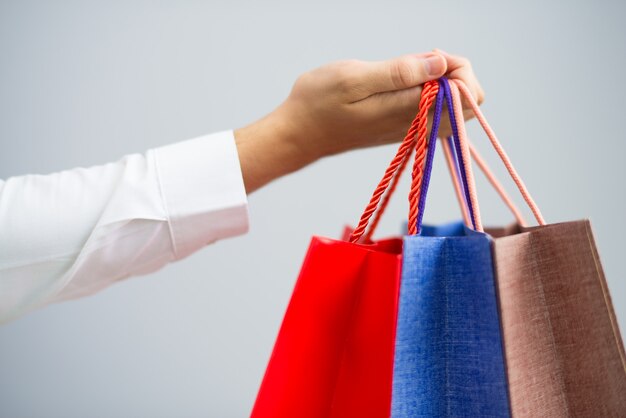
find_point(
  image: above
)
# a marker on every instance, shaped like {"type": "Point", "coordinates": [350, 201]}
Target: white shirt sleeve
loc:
{"type": "Point", "coordinates": [73, 233]}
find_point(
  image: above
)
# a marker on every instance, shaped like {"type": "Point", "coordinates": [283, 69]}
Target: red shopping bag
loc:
{"type": "Point", "coordinates": [337, 336]}
{"type": "Point", "coordinates": [333, 356]}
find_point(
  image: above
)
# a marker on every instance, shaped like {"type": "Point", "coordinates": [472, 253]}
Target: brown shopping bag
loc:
{"type": "Point", "coordinates": [563, 348]}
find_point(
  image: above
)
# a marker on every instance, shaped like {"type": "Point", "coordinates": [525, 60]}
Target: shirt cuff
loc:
{"type": "Point", "coordinates": [203, 191]}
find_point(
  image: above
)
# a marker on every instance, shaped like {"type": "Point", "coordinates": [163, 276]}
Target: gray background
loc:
{"type": "Point", "coordinates": [84, 83]}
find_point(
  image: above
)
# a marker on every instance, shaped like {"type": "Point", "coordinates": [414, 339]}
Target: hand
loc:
{"type": "Point", "coordinates": [343, 106]}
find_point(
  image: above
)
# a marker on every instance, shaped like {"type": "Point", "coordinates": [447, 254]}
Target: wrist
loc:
{"type": "Point", "coordinates": [269, 149]}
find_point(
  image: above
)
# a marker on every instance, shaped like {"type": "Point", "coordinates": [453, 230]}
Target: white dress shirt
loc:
{"type": "Point", "coordinates": [73, 233]}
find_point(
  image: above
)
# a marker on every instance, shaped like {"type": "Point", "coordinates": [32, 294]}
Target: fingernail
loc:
{"type": "Point", "coordinates": [435, 65]}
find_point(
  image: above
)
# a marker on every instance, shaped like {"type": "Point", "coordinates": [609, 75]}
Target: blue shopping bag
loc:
{"type": "Point", "coordinates": [448, 357]}
{"type": "Point", "coordinates": [448, 352]}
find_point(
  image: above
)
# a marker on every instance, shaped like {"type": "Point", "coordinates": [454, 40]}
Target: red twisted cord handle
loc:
{"type": "Point", "coordinates": [416, 133]}
{"type": "Point", "coordinates": [420, 155]}
{"type": "Point", "coordinates": [385, 201]}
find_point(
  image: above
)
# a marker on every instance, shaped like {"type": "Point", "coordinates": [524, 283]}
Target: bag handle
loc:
{"type": "Point", "coordinates": [415, 138]}
{"type": "Point", "coordinates": [458, 86]}
{"type": "Point", "coordinates": [455, 175]}
{"type": "Point", "coordinates": [392, 174]}
{"type": "Point", "coordinates": [495, 183]}
{"type": "Point", "coordinates": [415, 218]}
{"type": "Point", "coordinates": [452, 148]}
{"type": "Point", "coordinates": [385, 200]}
{"type": "Point", "coordinates": [383, 205]}
{"type": "Point", "coordinates": [462, 156]}
{"type": "Point", "coordinates": [459, 177]}
{"type": "Point", "coordinates": [491, 177]}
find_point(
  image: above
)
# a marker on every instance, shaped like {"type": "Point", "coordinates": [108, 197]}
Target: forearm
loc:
{"type": "Point", "coordinates": [70, 234]}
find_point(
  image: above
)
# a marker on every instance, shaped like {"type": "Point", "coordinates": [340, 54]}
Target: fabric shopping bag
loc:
{"type": "Point", "coordinates": [563, 349]}
{"type": "Point", "coordinates": [448, 357]}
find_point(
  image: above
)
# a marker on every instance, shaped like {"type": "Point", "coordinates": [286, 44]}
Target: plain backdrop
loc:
{"type": "Point", "coordinates": [86, 82]}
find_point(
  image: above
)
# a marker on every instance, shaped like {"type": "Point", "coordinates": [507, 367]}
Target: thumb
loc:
{"type": "Point", "coordinates": [401, 73]}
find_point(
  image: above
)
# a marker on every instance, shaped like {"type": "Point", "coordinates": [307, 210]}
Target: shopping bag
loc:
{"type": "Point", "coordinates": [334, 350]}
{"type": "Point", "coordinates": [563, 346]}
{"type": "Point", "coordinates": [563, 349]}
{"type": "Point", "coordinates": [448, 357]}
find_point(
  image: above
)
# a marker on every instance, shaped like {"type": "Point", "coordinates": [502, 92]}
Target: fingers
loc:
{"type": "Point", "coordinates": [405, 72]}
{"type": "Point", "coordinates": [396, 81]}
{"type": "Point", "coordinates": [402, 104]}
{"type": "Point", "coordinates": [398, 109]}
{"type": "Point", "coordinates": [461, 68]}
{"type": "Point", "coordinates": [358, 80]}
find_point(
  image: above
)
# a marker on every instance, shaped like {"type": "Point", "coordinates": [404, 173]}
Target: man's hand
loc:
{"type": "Point", "coordinates": [343, 106]}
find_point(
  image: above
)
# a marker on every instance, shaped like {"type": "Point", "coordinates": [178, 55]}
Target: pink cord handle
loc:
{"type": "Point", "coordinates": [482, 164]}
{"type": "Point", "coordinates": [465, 157]}
{"type": "Point", "coordinates": [460, 86]}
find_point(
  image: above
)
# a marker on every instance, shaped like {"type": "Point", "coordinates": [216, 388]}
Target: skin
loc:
{"type": "Point", "coordinates": [343, 106]}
